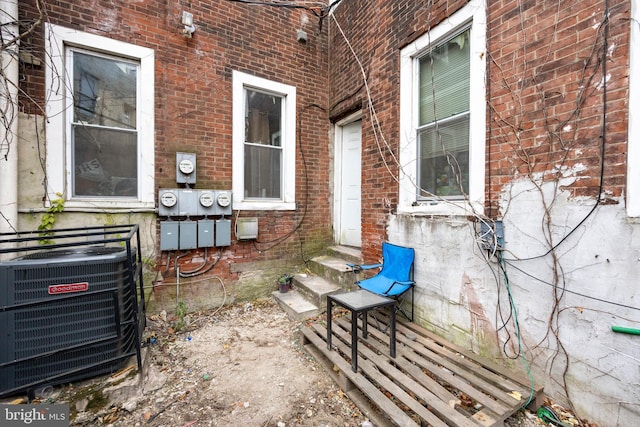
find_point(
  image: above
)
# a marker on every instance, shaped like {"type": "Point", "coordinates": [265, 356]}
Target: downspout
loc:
{"type": "Point", "coordinates": [9, 116]}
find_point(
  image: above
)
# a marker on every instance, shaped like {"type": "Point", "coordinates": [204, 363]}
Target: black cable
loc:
{"type": "Point", "coordinates": [570, 291]}
{"type": "Point", "coordinates": [287, 5]}
{"type": "Point", "coordinates": [206, 270]}
{"type": "Point", "coordinates": [280, 239]}
{"type": "Point", "coordinates": [602, 145]}
{"type": "Point", "coordinates": [512, 309]}
{"type": "Point", "coordinates": [320, 12]}
{"type": "Point", "coordinates": [499, 308]}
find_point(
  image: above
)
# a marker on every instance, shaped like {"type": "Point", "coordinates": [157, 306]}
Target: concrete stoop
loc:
{"type": "Point", "coordinates": [329, 275]}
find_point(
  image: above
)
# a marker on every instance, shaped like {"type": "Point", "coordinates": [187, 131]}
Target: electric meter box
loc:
{"type": "Point", "coordinates": [224, 202]}
{"type": "Point", "coordinates": [223, 232]}
{"type": "Point", "coordinates": [188, 234]}
{"type": "Point", "coordinates": [168, 202]}
{"type": "Point", "coordinates": [188, 202]}
{"type": "Point", "coordinates": [169, 235]}
{"type": "Point", "coordinates": [206, 233]}
{"type": "Point", "coordinates": [185, 168]}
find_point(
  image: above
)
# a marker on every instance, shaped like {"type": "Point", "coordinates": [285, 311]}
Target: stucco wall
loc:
{"type": "Point", "coordinates": [565, 302]}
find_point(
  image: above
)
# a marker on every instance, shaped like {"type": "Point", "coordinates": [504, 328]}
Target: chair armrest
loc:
{"type": "Point", "coordinates": [408, 283]}
{"type": "Point", "coordinates": [370, 266]}
{"type": "Point", "coordinates": [357, 268]}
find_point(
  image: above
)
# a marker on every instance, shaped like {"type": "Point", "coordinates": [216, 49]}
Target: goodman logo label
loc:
{"type": "Point", "coordinates": [56, 415]}
{"type": "Point", "coordinates": [68, 288]}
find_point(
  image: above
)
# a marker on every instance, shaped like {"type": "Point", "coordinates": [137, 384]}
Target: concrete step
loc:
{"type": "Point", "coordinates": [315, 288]}
{"type": "Point", "coordinates": [329, 275]}
{"type": "Point", "coordinates": [348, 253]}
{"type": "Point", "coordinates": [296, 305]}
{"type": "Point", "coordinates": [333, 269]}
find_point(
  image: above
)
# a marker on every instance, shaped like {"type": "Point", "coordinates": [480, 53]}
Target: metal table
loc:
{"type": "Point", "coordinates": [360, 302]}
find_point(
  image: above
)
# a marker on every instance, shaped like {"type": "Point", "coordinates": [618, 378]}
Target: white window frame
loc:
{"type": "Point", "coordinates": [633, 137]}
{"type": "Point", "coordinates": [472, 15]}
{"type": "Point", "coordinates": [240, 82]}
{"type": "Point", "coordinates": [59, 110]}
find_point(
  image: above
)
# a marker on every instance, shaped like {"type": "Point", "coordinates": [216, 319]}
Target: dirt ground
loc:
{"type": "Point", "coordinates": [242, 365]}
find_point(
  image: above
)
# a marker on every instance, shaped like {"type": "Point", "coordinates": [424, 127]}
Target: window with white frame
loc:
{"type": "Point", "coordinates": [442, 115]}
{"type": "Point", "coordinates": [100, 135]}
{"type": "Point", "coordinates": [443, 124]}
{"type": "Point", "coordinates": [263, 143]}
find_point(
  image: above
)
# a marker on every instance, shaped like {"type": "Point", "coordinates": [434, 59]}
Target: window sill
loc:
{"type": "Point", "coordinates": [262, 205]}
{"type": "Point", "coordinates": [111, 205]}
{"type": "Point", "coordinates": [442, 208]}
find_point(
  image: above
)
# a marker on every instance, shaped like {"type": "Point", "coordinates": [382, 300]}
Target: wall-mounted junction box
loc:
{"type": "Point", "coordinates": [247, 228]}
{"type": "Point", "coordinates": [223, 232]}
{"type": "Point", "coordinates": [188, 234]}
{"type": "Point", "coordinates": [492, 235]}
{"type": "Point", "coordinates": [169, 235]}
{"type": "Point", "coordinates": [206, 233]}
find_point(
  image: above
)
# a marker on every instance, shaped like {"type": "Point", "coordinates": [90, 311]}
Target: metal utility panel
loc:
{"type": "Point", "coordinates": [188, 234]}
{"type": "Point", "coordinates": [168, 202]}
{"type": "Point", "coordinates": [492, 235]}
{"type": "Point", "coordinates": [186, 168]}
{"type": "Point", "coordinates": [206, 229]}
{"type": "Point", "coordinates": [223, 232]}
{"type": "Point", "coordinates": [188, 202]}
{"type": "Point", "coordinates": [169, 235]}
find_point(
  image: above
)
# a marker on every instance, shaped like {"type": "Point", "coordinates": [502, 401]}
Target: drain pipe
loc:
{"type": "Point", "coordinates": [9, 117]}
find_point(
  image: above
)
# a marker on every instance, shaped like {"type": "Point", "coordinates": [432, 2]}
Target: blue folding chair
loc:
{"type": "Point", "coordinates": [395, 279]}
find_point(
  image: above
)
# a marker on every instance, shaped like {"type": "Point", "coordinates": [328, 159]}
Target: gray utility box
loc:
{"type": "Point", "coordinates": [206, 228]}
{"type": "Point", "coordinates": [187, 202]}
{"type": "Point", "coordinates": [169, 232]}
{"type": "Point", "coordinates": [223, 232]}
{"type": "Point", "coordinates": [188, 235]}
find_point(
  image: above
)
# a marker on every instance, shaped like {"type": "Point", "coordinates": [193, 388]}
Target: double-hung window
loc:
{"type": "Point", "coordinates": [443, 126]}
{"type": "Point", "coordinates": [442, 116]}
{"type": "Point", "coordinates": [100, 146]}
{"type": "Point", "coordinates": [103, 130]}
{"type": "Point", "coordinates": [263, 143]}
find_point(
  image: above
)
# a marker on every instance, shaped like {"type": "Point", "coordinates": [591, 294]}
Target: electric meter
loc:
{"type": "Point", "coordinates": [168, 199]}
{"type": "Point", "coordinates": [186, 166]}
{"type": "Point", "coordinates": [224, 199]}
{"type": "Point", "coordinates": [206, 199]}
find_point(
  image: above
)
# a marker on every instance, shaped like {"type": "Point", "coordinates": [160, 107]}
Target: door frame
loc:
{"type": "Point", "coordinates": [337, 174]}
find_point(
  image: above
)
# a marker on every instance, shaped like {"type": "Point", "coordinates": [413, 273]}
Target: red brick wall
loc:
{"type": "Point", "coordinates": [545, 64]}
{"type": "Point", "coordinates": [194, 98]}
{"type": "Point", "coordinates": [376, 31]}
{"type": "Point", "coordinates": [547, 99]}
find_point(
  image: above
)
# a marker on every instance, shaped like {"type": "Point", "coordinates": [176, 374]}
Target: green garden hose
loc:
{"type": "Point", "coordinates": [547, 416]}
{"type": "Point", "coordinates": [624, 330]}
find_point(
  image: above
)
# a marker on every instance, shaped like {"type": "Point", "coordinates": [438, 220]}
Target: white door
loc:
{"type": "Point", "coordinates": [350, 184]}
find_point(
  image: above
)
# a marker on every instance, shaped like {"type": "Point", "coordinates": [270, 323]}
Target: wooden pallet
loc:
{"type": "Point", "coordinates": [430, 382]}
